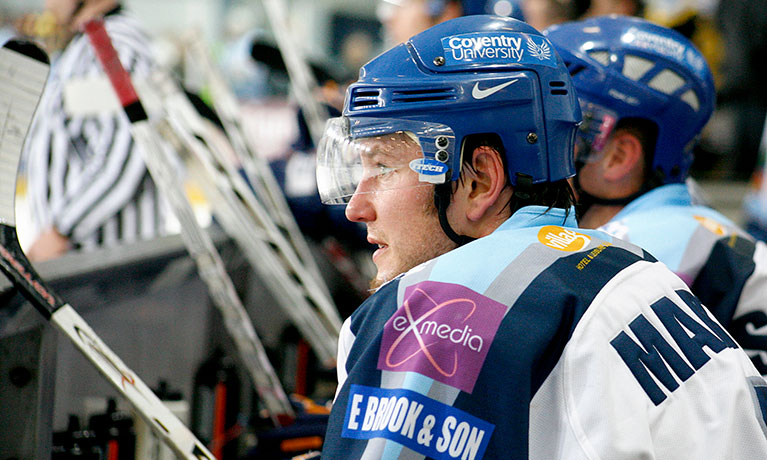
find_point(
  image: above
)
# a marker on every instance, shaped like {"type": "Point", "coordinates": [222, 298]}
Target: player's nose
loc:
{"type": "Point", "coordinates": [360, 207]}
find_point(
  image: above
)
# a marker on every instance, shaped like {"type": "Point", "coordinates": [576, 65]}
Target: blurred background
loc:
{"type": "Point", "coordinates": [337, 37]}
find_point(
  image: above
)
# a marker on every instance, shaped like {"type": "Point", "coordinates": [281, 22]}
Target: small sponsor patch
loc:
{"type": "Point", "coordinates": [667, 46]}
{"type": "Point", "coordinates": [497, 48]}
{"type": "Point", "coordinates": [591, 256]}
{"type": "Point", "coordinates": [562, 238]}
{"type": "Point", "coordinates": [711, 225]}
{"type": "Point", "coordinates": [428, 167]}
{"type": "Point", "coordinates": [442, 331]}
{"type": "Point", "coordinates": [421, 424]}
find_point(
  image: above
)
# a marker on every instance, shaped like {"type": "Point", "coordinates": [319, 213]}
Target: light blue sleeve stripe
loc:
{"type": "Point", "coordinates": [391, 450]}
{"type": "Point", "coordinates": [417, 382]}
{"type": "Point", "coordinates": [477, 267]}
{"type": "Point", "coordinates": [666, 241]}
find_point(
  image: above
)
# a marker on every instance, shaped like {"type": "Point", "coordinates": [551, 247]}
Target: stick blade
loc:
{"type": "Point", "coordinates": [24, 71]}
{"type": "Point", "coordinates": [28, 49]}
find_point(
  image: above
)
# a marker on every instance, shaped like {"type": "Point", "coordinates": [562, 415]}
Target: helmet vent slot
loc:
{"type": "Point", "coordinates": [667, 81]}
{"type": "Point", "coordinates": [691, 98]}
{"type": "Point", "coordinates": [635, 67]}
{"type": "Point", "coordinates": [365, 97]}
{"type": "Point", "coordinates": [423, 95]}
{"type": "Point", "coordinates": [602, 57]}
{"type": "Point", "coordinates": [558, 88]}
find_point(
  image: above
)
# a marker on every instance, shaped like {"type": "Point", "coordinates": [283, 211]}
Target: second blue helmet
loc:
{"type": "Point", "coordinates": [626, 67]}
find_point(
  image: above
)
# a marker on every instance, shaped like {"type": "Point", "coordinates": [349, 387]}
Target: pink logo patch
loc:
{"type": "Point", "coordinates": [442, 331]}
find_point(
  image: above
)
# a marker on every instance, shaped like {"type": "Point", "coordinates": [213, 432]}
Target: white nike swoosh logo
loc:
{"type": "Point", "coordinates": [479, 93]}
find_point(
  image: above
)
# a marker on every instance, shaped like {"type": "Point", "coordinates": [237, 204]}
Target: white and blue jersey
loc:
{"type": "Point", "coordinates": [542, 341]}
{"type": "Point", "coordinates": [723, 266]}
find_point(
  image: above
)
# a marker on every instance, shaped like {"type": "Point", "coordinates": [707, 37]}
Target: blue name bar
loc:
{"type": "Point", "coordinates": [421, 424]}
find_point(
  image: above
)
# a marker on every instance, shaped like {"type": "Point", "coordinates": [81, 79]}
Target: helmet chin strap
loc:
{"type": "Point", "coordinates": [587, 200]}
{"type": "Point", "coordinates": [442, 194]}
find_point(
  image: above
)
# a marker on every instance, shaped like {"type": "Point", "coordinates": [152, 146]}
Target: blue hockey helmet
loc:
{"type": "Point", "coordinates": [626, 67]}
{"type": "Point", "coordinates": [470, 75]}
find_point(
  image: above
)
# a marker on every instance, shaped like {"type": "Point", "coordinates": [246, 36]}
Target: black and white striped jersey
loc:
{"type": "Point", "coordinates": [86, 176]}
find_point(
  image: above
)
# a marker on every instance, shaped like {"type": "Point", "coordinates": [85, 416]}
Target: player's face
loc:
{"type": "Point", "coordinates": [591, 168]}
{"type": "Point", "coordinates": [398, 210]}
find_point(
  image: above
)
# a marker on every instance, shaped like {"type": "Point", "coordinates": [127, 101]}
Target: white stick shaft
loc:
{"type": "Point", "coordinates": [301, 79]}
{"type": "Point", "coordinates": [250, 225]}
{"type": "Point", "coordinates": [22, 79]}
{"type": "Point", "coordinates": [256, 167]}
{"type": "Point", "coordinates": [167, 426]}
{"type": "Point", "coordinates": [213, 272]}
{"type": "Point", "coordinates": [199, 244]}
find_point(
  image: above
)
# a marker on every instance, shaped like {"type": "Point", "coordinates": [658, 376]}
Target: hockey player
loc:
{"type": "Point", "coordinates": [499, 330]}
{"type": "Point", "coordinates": [646, 93]}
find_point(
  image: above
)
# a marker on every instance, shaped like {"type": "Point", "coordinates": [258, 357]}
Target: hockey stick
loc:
{"type": "Point", "coordinates": [198, 242]}
{"type": "Point", "coordinates": [259, 173]}
{"type": "Point", "coordinates": [257, 169]}
{"type": "Point", "coordinates": [301, 80]}
{"type": "Point", "coordinates": [23, 72]}
{"type": "Point", "coordinates": [244, 218]}
{"type": "Point", "coordinates": [301, 292]}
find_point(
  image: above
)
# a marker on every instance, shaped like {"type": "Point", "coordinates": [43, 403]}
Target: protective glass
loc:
{"type": "Point", "coordinates": [598, 123]}
{"type": "Point", "coordinates": [368, 155]}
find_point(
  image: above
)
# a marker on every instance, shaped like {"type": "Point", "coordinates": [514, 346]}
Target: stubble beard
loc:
{"type": "Point", "coordinates": [435, 248]}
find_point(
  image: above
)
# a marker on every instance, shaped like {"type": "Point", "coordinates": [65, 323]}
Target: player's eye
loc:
{"type": "Point", "coordinates": [382, 170]}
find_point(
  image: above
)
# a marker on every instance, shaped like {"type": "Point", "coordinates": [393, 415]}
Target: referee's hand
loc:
{"type": "Point", "coordinates": [50, 244]}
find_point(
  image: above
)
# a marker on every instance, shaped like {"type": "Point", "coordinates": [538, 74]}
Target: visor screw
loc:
{"type": "Point", "coordinates": [439, 61]}
{"type": "Point", "coordinates": [532, 138]}
{"type": "Point", "coordinates": [441, 142]}
{"type": "Point", "coordinates": [441, 156]}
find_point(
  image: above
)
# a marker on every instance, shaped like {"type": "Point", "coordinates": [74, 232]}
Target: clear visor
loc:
{"type": "Point", "coordinates": [369, 155]}
{"type": "Point", "coordinates": [598, 123]}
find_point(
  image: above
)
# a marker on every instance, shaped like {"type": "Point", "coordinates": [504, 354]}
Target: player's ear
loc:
{"type": "Point", "coordinates": [484, 183]}
{"type": "Point", "coordinates": [625, 157]}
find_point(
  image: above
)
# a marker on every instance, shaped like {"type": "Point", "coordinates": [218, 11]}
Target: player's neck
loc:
{"type": "Point", "coordinates": [598, 215]}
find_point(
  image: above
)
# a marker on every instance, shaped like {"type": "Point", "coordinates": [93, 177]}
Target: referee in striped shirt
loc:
{"type": "Point", "coordinates": [88, 186]}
